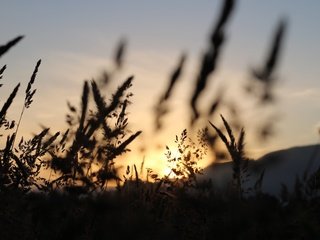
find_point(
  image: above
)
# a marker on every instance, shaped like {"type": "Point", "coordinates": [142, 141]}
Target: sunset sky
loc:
{"type": "Point", "coordinates": [76, 40]}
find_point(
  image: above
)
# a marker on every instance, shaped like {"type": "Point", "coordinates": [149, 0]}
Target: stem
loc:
{"type": "Point", "coordinates": [18, 125]}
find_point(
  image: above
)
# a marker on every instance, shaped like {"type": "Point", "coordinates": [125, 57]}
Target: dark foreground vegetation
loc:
{"type": "Point", "coordinates": [57, 185]}
{"type": "Point", "coordinates": [142, 213]}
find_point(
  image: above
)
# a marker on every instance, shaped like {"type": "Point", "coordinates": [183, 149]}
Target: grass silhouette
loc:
{"type": "Point", "coordinates": [74, 201]}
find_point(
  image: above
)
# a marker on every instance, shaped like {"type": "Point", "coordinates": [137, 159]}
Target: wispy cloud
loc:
{"type": "Point", "coordinates": [306, 93]}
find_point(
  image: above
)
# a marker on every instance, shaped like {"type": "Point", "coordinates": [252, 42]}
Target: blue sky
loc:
{"type": "Point", "coordinates": [76, 39]}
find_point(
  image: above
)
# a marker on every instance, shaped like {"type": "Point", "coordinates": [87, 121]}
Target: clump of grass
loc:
{"type": "Point", "coordinates": [185, 167]}
{"type": "Point", "coordinates": [84, 156]}
{"type": "Point", "coordinates": [168, 207]}
{"type": "Point", "coordinates": [97, 137]}
{"type": "Point", "coordinates": [21, 165]}
{"type": "Point", "coordinates": [236, 151]}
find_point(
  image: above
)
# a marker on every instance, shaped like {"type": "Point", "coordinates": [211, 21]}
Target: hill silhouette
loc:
{"type": "Point", "coordinates": [282, 167]}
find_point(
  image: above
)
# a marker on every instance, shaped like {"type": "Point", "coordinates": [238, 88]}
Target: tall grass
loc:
{"type": "Point", "coordinates": [73, 201]}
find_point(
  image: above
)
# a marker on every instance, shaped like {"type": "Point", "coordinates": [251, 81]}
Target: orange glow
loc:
{"type": "Point", "coordinates": [155, 159]}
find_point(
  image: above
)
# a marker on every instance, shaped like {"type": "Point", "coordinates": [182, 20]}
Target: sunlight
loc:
{"type": "Point", "coordinates": [154, 158]}
{"type": "Point", "coordinates": [167, 172]}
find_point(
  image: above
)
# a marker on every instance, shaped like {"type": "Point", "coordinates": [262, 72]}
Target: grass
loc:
{"type": "Point", "coordinates": [73, 201]}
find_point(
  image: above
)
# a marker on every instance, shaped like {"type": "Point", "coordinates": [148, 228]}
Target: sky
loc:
{"type": "Point", "coordinates": [76, 42]}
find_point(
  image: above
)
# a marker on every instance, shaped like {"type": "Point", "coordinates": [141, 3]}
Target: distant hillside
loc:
{"type": "Point", "coordinates": [281, 167]}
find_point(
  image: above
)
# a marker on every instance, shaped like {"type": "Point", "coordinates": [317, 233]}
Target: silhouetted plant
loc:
{"type": "Point", "coordinates": [236, 151]}
{"type": "Point", "coordinates": [211, 56]}
{"type": "Point", "coordinates": [21, 165]}
{"type": "Point", "coordinates": [266, 74]}
{"type": "Point", "coordinates": [163, 207]}
{"type": "Point", "coordinates": [161, 108]}
{"type": "Point", "coordinates": [183, 165]}
{"type": "Point", "coordinates": [10, 44]}
{"type": "Point", "coordinates": [97, 137]}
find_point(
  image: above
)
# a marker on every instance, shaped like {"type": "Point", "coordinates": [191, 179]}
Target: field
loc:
{"type": "Point", "coordinates": [68, 184]}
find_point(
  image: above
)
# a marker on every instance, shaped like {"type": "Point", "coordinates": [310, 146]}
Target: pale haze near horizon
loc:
{"type": "Point", "coordinates": [76, 41]}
